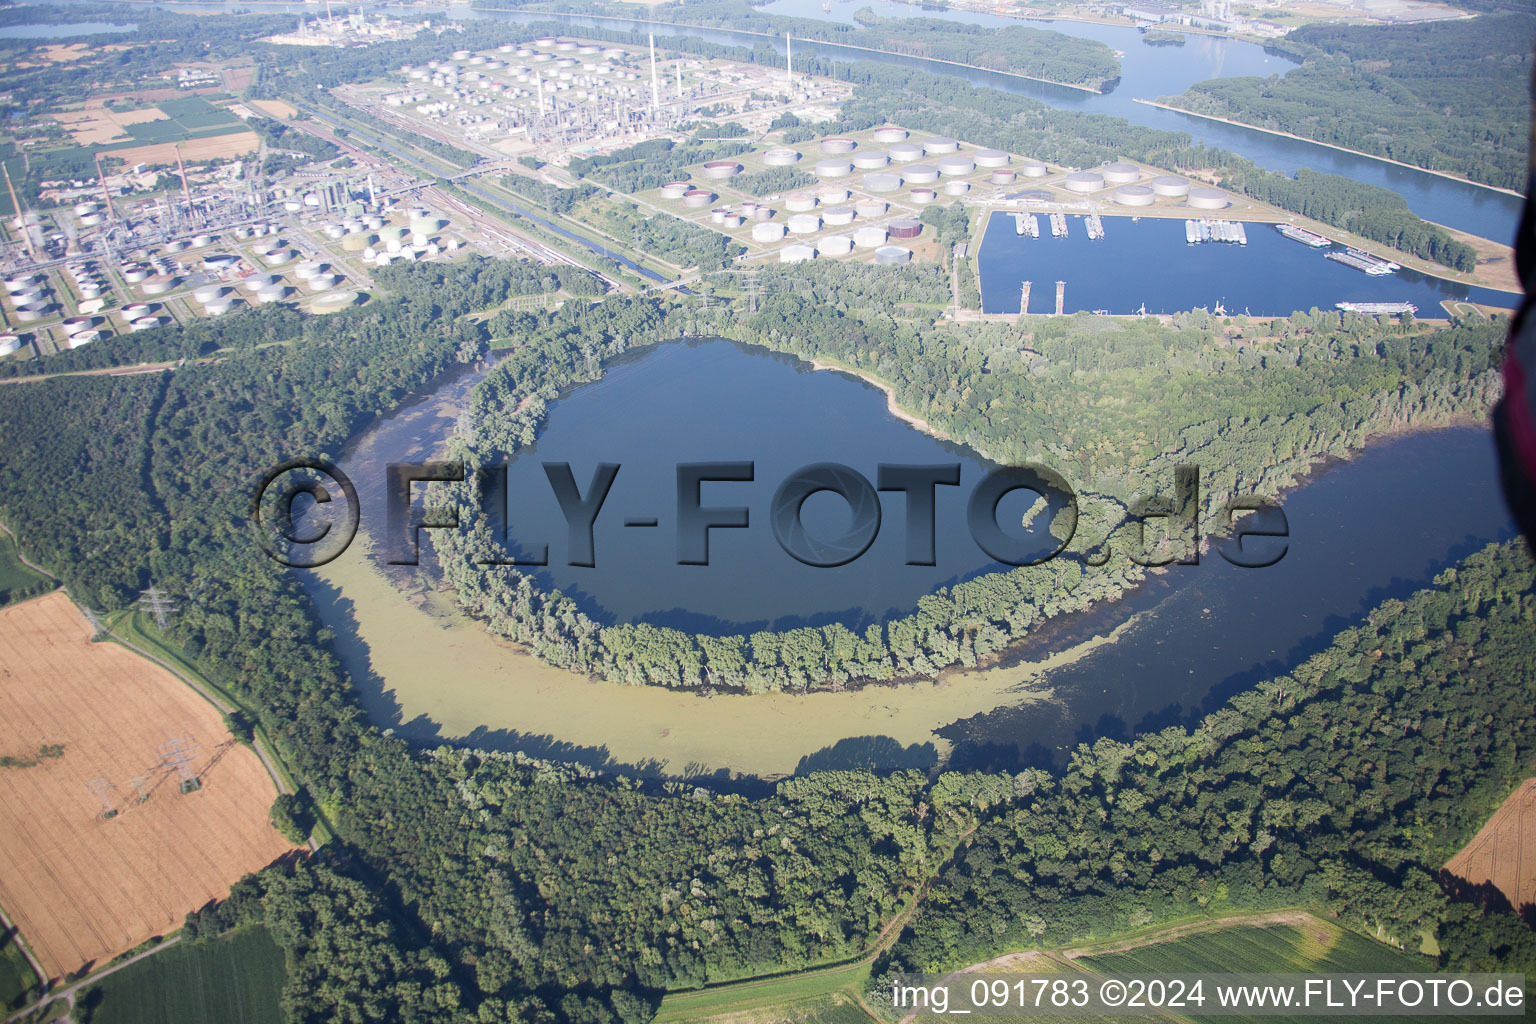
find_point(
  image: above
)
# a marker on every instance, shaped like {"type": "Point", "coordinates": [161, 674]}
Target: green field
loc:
{"type": "Point", "coordinates": [17, 582]}
{"type": "Point", "coordinates": [235, 979]}
{"type": "Point", "coordinates": [16, 978]}
{"type": "Point", "coordinates": [810, 997]}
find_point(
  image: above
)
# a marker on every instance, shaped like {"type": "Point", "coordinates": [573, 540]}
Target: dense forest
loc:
{"type": "Point", "coordinates": [1448, 96]}
{"type": "Point", "coordinates": [470, 886]}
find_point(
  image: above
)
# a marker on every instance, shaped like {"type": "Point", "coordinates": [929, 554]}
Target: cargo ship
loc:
{"type": "Point", "coordinates": [1378, 308]}
{"type": "Point", "coordinates": [1303, 236]}
{"type": "Point", "coordinates": [1361, 261]}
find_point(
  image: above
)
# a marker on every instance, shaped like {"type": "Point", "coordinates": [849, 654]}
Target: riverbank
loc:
{"type": "Point", "coordinates": [1342, 149]}
{"type": "Point", "coordinates": [891, 405]}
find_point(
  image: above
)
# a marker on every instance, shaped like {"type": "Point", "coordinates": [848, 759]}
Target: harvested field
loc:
{"type": "Point", "coordinates": [82, 887]}
{"type": "Point", "coordinates": [212, 147]}
{"type": "Point", "coordinates": [1497, 853]}
{"type": "Point", "coordinates": [276, 108]}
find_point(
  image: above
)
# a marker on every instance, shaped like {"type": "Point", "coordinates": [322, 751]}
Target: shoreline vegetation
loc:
{"type": "Point", "coordinates": [892, 405]}
{"type": "Point", "coordinates": [1342, 149]}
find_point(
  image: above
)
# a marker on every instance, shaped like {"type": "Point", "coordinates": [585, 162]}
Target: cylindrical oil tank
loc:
{"type": "Point", "coordinates": [322, 282]}
{"type": "Point", "coordinates": [762, 215]}
{"type": "Point", "coordinates": [800, 203]}
{"type": "Point", "coordinates": [717, 170]}
{"type": "Point", "coordinates": [831, 195]}
{"type": "Point", "coordinates": [1120, 174]}
{"type": "Point", "coordinates": [29, 294]}
{"type": "Point", "coordinates": [207, 293]}
{"type": "Point", "coordinates": [698, 198]}
{"type": "Point", "coordinates": [892, 255]}
{"type": "Point", "coordinates": [81, 209]}
{"type": "Point", "coordinates": [748, 208]}
{"type": "Point", "coordinates": [91, 220]}
{"type": "Point", "coordinates": [905, 227]}
{"type": "Point", "coordinates": [18, 282]}
{"type": "Point", "coordinates": [870, 159]}
{"type": "Point", "coordinates": [732, 221]}
{"type": "Point", "coordinates": [797, 253]}
{"type": "Point", "coordinates": [1207, 199]}
{"type": "Point", "coordinates": [335, 300]}
{"type": "Point", "coordinates": [199, 241]}
{"type": "Point", "coordinates": [837, 146]}
{"type": "Point", "coordinates": [30, 314]}
{"type": "Point", "coordinates": [76, 324]}
{"type": "Point", "coordinates": [906, 152]}
{"type": "Point", "coordinates": [178, 245]}
{"type": "Point", "coordinates": [1033, 169]}
{"type": "Point", "coordinates": [868, 208]}
{"type": "Point", "coordinates": [84, 338]}
{"type": "Point", "coordinates": [257, 281]}
{"type": "Point", "coordinates": [888, 135]}
{"type": "Point", "coordinates": [835, 245]}
{"type": "Point", "coordinates": [882, 181]}
{"type": "Point", "coordinates": [1003, 177]}
{"type": "Point", "coordinates": [276, 257]}
{"type": "Point", "coordinates": [837, 216]}
{"type": "Point", "coordinates": [309, 269]}
{"type": "Point", "coordinates": [674, 190]}
{"type": "Point", "coordinates": [221, 261]}
{"type": "Point", "coordinates": [833, 168]}
{"type": "Point", "coordinates": [956, 188]}
{"type": "Point", "coordinates": [1169, 185]}
{"type": "Point", "coordinates": [134, 310]}
{"type": "Point", "coordinates": [955, 165]}
{"type": "Point", "coordinates": [133, 275]}
{"type": "Point", "coordinates": [159, 284]}
{"type": "Point", "coordinates": [781, 156]}
{"type": "Point", "coordinates": [923, 196]}
{"type": "Point", "coordinates": [991, 158]}
{"type": "Point", "coordinates": [869, 236]}
{"type": "Point", "coordinates": [144, 323]}
{"type": "Point", "coordinates": [9, 342]}
{"type": "Point", "coordinates": [355, 243]}
{"type": "Point", "coordinates": [270, 292]}
{"type": "Point", "coordinates": [1084, 181]}
{"type": "Point", "coordinates": [804, 224]}
{"type": "Point", "coordinates": [1134, 195]}
{"type": "Point", "coordinates": [763, 231]}
{"type": "Point", "coordinates": [220, 305]}
{"type": "Point", "coordinates": [920, 174]}
{"type": "Point", "coordinates": [940, 144]}
{"type": "Point", "coordinates": [717, 215]}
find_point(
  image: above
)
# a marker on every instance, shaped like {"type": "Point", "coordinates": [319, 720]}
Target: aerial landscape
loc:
{"type": "Point", "coordinates": [766, 511]}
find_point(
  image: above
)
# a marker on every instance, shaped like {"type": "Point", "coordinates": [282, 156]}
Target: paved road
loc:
{"type": "Point", "coordinates": [68, 994]}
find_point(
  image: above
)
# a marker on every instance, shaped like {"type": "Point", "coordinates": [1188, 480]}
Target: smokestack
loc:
{"type": "Point", "coordinates": [655, 82]}
{"type": "Point", "coordinates": [679, 79]}
{"type": "Point", "coordinates": [106, 196]}
{"type": "Point", "coordinates": [789, 64]}
{"type": "Point", "coordinates": [21, 220]}
{"type": "Point", "coordinates": [185, 188]}
{"type": "Point", "coordinates": [539, 81]}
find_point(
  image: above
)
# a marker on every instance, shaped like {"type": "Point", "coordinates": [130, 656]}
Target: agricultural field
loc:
{"type": "Point", "coordinates": [1306, 943]}
{"type": "Point", "coordinates": [234, 979]}
{"type": "Point", "coordinates": [100, 849]}
{"type": "Point", "coordinates": [17, 582]}
{"type": "Point", "coordinates": [1498, 853]}
{"type": "Point", "coordinates": [16, 977]}
{"type": "Point", "coordinates": [149, 134]}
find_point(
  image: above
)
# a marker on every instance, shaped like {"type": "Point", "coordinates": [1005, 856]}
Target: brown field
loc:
{"type": "Point", "coordinates": [276, 108]}
{"type": "Point", "coordinates": [83, 888]}
{"type": "Point", "coordinates": [1504, 850]}
{"type": "Point", "coordinates": [96, 124]}
{"type": "Point", "coordinates": [193, 150]}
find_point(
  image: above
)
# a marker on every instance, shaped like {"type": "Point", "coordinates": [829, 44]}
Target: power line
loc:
{"type": "Point", "coordinates": [158, 603]}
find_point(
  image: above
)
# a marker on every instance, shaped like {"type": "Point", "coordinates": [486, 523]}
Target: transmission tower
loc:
{"type": "Point", "coordinates": [178, 754]}
{"type": "Point", "coordinates": [100, 787]}
{"type": "Point", "coordinates": [158, 604]}
{"type": "Point", "coordinates": [138, 782]}
{"type": "Point", "coordinates": [99, 630]}
{"type": "Point", "coordinates": [752, 292]}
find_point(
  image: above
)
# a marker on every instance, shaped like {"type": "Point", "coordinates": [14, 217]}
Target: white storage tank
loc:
{"type": "Point", "coordinates": [763, 231]}
{"type": "Point", "coordinates": [717, 170]}
{"type": "Point", "coordinates": [940, 144]}
{"type": "Point", "coordinates": [835, 245]}
{"type": "Point", "coordinates": [31, 314]}
{"type": "Point", "coordinates": [698, 198]}
{"type": "Point", "coordinates": [322, 282]}
{"type": "Point", "coordinates": [1083, 181]}
{"type": "Point", "coordinates": [800, 203]}
{"type": "Point", "coordinates": [781, 156]}
{"type": "Point", "coordinates": [956, 188]}
{"type": "Point", "coordinates": [837, 216]}
{"type": "Point", "coordinates": [1003, 177]}
{"type": "Point", "coordinates": [833, 168]}
{"type": "Point", "coordinates": [76, 324]}
{"type": "Point", "coordinates": [991, 158]}
{"type": "Point", "coordinates": [837, 146]}
{"type": "Point", "coordinates": [956, 165]}
{"type": "Point", "coordinates": [207, 293]}
{"type": "Point", "coordinates": [309, 269]}
{"type": "Point", "coordinates": [871, 159]}
{"type": "Point", "coordinates": [797, 253]}
{"type": "Point", "coordinates": [270, 293]}
{"type": "Point", "coordinates": [1121, 174]}
{"type": "Point", "coordinates": [1169, 185]}
{"type": "Point", "coordinates": [923, 196]}
{"type": "Point", "coordinates": [869, 236]}
{"type": "Point", "coordinates": [1033, 169]}
{"type": "Point", "coordinates": [276, 257]}
{"type": "Point", "coordinates": [201, 240]}
{"type": "Point", "coordinates": [890, 134]}
{"type": "Point", "coordinates": [83, 338]}
{"type": "Point", "coordinates": [868, 208]}
{"type": "Point", "coordinates": [143, 323]}
{"type": "Point", "coordinates": [219, 306]}
{"type": "Point", "coordinates": [1207, 199]}
{"type": "Point", "coordinates": [133, 275]}
{"type": "Point", "coordinates": [220, 262]}
{"type": "Point", "coordinates": [906, 152]}
{"type": "Point", "coordinates": [256, 281]}
{"type": "Point", "coordinates": [892, 255]}
{"type": "Point", "coordinates": [830, 195]}
{"type": "Point", "coordinates": [134, 310]}
{"type": "Point", "coordinates": [1134, 195]}
{"type": "Point", "coordinates": [920, 174]}
{"type": "Point", "coordinates": [882, 181]}
{"type": "Point", "coordinates": [804, 224]}
{"type": "Point", "coordinates": [9, 342]}
{"type": "Point", "coordinates": [159, 284]}
{"type": "Point", "coordinates": [334, 300]}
